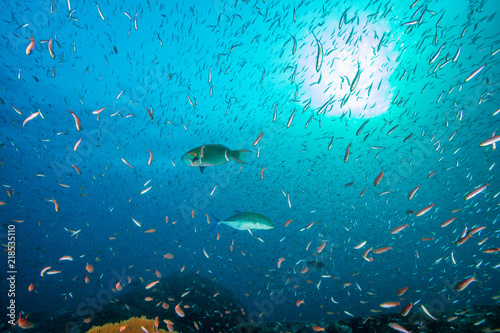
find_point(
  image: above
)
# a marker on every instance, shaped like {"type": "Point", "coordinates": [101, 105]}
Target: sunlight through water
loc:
{"type": "Point", "coordinates": [354, 72]}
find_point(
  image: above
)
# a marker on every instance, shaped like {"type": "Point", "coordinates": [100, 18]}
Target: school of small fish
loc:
{"type": "Point", "coordinates": [350, 147]}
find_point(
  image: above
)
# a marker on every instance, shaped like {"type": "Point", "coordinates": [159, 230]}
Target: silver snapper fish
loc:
{"type": "Point", "coordinates": [248, 220]}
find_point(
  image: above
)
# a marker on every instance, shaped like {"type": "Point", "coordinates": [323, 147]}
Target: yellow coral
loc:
{"type": "Point", "coordinates": [133, 325]}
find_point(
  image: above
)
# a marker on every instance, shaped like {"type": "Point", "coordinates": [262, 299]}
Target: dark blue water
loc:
{"type": "Point", "coordinates": [223, 72]}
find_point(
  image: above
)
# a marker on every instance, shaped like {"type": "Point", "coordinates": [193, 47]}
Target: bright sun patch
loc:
{"type": "Point", "coordinates": [354, 72]}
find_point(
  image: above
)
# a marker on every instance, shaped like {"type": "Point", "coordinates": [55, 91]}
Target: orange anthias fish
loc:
{"type": "Point", "coordinates": [152, 284]}
{"type": "Point", "coordinates": [401, 291]}
{"type": "Point", "coordinates": [389, 304]}
{"type": "Point", "coordinates": [31, 45]}
{"type": "Point", "coordinates": [31, 117]}
{"type": "Point", "coordinates": [424, 210]}
{"type": "Point", "coordinates": [406, 309]}
{"type": "Point", "coordinates": [89, 268]}
{"type": "Point", "coordinates": [78, 123]}
{"type": "Point", "coordinates": [379, 178]}
{"type": "Point", "coordinates": [24, 323]}
{"type": "Point", "coordinates": [119, 286]}
{"type": "Point", "coordinates": [398, 328]}
{"type": "Point", "coordinates": [321, 247]}
{"type": "Point", "coordinates": [398, 229]}
{"type": "Point", "coordinates": [382, 249]}
{"type": "Point", "coordinates": [179, 311]}
{"type": "Point", "coordinates": [51, 51]}
{"type": "Point", "coordinates": [463, 284]}
{"type": "Point", "coordinates": [476, 192]}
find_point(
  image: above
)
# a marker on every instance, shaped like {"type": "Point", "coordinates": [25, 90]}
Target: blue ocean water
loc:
{"type": "Point", "coordinates": [341, 91]}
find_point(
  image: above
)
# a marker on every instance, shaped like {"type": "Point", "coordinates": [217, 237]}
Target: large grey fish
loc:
{"type": "Point", "coordinates": [248, 220]}
{"type": "Point", "coordinates": [209, 155]}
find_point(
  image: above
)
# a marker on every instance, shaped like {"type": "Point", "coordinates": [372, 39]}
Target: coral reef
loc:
{"type": "Point", "coordinates": [132, 325]}
{"type": "Point", "coordinates": [209, 307]}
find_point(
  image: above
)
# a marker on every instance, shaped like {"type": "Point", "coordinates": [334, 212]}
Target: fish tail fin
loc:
{"type": "Point", "coordinates": [240, 155]}
{"type": "Point", "coordinates": [216, 222]}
